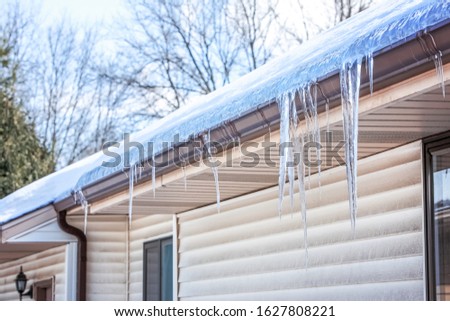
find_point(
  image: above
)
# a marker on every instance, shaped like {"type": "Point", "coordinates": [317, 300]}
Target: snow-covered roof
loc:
{"type": "Point", "coordinates": [360, 36]}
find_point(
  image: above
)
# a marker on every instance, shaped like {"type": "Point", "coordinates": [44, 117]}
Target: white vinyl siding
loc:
{"type": "Point", "coordinates": [37, 267]}
{"type": "Point", "coordinates": [143, 229]}
{"type": "Point", "coordinates": [248, 253]}
{"type": "Point", "coordinates": [106, 256]}
{"type": "Point", "coordinates": [107, 238]}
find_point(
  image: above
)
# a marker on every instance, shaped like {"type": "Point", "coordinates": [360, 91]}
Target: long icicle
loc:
{"type": "Point", "coordinates": [302, 194]}
{"type": "Point", "coordinates": [131, 179]}
{"type": "Point", "coordinates": [439, 71]}
{"type": "Point", "coordinates": [299, 148]}
{"type": "Point", "coordinates": [283, 105]}
{"type": "Point", "coordinates": [183, 168]}
{"type": "Point", "coordinates": [369, 67]}
{"type": "Point", "coordinates": [316, 128]}
{"type": "Point", "coordinates": [85, 206]}
{"type": "Point", "coordinates": [291, 161]}
{"type": "Point", "coordinates": [350, 82]}
{"type": "Point", "coordinates": [153, 176]}
{"type": "Point", "coordinates": [214, 169]}
{"type": "Point", "coordinates": [309, 125]}
{"type": "Point", "coordinates": [291, 176]}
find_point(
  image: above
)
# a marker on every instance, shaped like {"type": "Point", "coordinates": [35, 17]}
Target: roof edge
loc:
{"type": "Point", "coordinates": [393, 64]}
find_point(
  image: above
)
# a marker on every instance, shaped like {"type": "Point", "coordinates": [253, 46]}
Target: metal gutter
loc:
{"type": "Point", "coordinates": [81, 254]}
{"type": "Point", "coordinates": [393, 64]}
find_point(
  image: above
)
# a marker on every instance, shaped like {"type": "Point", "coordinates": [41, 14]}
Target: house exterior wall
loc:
{"type": "Point", "coordinates": [106, 256]}
{"type": "Point", "coordinates": [37, 267]}
{"type": "Point", "coordinates": [108, 244]}
{"type": "Point", "coordinates": [143, 229]}
{"type": "Point", "coordinates": [247, 252]}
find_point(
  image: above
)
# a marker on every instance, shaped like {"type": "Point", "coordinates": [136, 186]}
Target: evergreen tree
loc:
{"type": "Point", "coordinates": [23, 159]}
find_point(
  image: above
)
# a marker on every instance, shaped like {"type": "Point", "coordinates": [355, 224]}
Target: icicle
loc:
{"type": "Point", "coordinates": [312, 129]}
{"type": "Point", "coordinates": [283, 105]}
{"type": "Point", "coordinates": [183, 168]}
{"type": "Point", "coordinates": [306, 114]}
{"type": "Point", "coordinates": [316, 133]}
{"type": "Point", "coordinates": [291, 175]}
{"type": "Point", "coordinates": [140, 171]}
{"type": "Point", "coordinates": [239, 147]}
{"type": "Point", "coordinates": [350, 82]}
{"type": "Point", "coordinates": [135, 173]}
{"type": "Point", "coordinates": [294, 142]}
{"type": "Point", "coordinates": [439, 70]}
{"type": "Point", "coordinates": [369, 69]}
{"type": "Point", "coordinates": [327, 112]}
{"type": "Point", "coordinates": [299, 143]}
{"type": "Point", "coordinates": [291, 161]}
{"type": "Point", "coordinates": [131, 181]}
{"type": "Point", "coordinates": [294, 122]}
{"type": "Point", "coordinates": [308, 121]}
{"type": "Point", "coordinates": [312, 110]}
{"type": "Point", "coordinates": [302, 194]}
{"type": "Point", "coordinates": [85, 206]}
{"type": "Point", "coordinates": [153, 176]}
{"type": "Point", "coordinates": [214, 169]}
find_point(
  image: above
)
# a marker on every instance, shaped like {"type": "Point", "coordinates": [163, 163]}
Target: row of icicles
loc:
{"type": "Point", "coordinates": [293, 138]}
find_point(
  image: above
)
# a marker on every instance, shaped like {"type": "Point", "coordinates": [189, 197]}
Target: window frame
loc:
{"type": "Point", "coordinates": [157, 243]}
{"type": "Point", "coordinates": [431, 145]}
{"type": "Point", "coordinates": [45, 284]}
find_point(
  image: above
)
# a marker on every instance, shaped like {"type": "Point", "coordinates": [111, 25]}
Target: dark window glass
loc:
{"type": "Point", "coordinates": [166, 270]}
{"type": "Point", "coordinates": [158, 270]}
{"type": "Point", "coordinates": [438, 218]}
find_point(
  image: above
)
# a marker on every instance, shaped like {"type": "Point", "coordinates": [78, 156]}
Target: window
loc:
{"type": "Point", "coordinates": [158, 270]}
{"type": "Point", "coordinates": [437, 175]}
{"type": "Point", "coordinates": [44, 290]}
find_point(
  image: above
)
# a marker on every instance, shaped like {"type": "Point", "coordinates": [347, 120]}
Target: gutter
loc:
{"type": "Point", "coordinates": [399, 61]}
{"type": "Point", "coordinates": [81, 253]}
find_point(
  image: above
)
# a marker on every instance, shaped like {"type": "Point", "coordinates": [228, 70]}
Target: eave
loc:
{"type": "Point", "coordinates": [394, 68]}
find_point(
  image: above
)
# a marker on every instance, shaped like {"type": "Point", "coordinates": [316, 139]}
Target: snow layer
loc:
{"type": "Point", "coordinates": [361, 36]}
{"type": "Point", "coordinates": [45, 190]}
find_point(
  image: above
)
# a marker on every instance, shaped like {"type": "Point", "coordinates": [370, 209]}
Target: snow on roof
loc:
{"type": "Point", "coordinates": [364, 34]}
{"type": "Point", "coordinates": [45, 190]}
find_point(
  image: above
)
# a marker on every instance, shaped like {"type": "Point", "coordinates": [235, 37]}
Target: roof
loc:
{"type": "Point", "coordinates": [365, 34]}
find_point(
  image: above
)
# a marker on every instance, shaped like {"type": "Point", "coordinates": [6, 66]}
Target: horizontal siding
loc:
{"type": "Point", "coordinates": [406, 290]}
{"type": "Point", "coordinates": [37, 267]}
{"type": "Point", "coordinates": [143, 229]}
{"type": "Point", "coordinates": [106, 256]}
{"type": "Point", "coordinates": [247, 252]}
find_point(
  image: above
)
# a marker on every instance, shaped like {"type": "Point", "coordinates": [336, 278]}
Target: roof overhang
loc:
{"type": "Point", "coordinates": [27, 223]}
{"type": "Point", "coordinates": [36, 232]}
{"type": "Point", "coordinates": [402, 70]}
{"type": "Point", "coordinates": [393, 116]}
